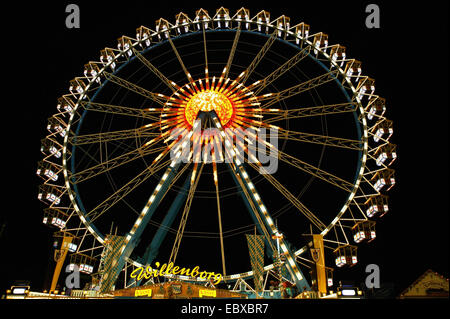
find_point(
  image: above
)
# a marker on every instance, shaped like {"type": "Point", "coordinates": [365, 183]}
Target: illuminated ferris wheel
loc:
{"type": "Point", "coordinates": [160, 152]}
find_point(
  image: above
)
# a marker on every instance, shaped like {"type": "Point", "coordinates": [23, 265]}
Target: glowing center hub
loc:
{"type": "Point", "coordinates": [207, 101]}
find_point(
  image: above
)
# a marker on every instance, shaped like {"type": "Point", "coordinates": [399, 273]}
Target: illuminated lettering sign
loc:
{"type": "Point", "coordinates": [206, 293]}
{"type": "Point", "coordinates": [170, 269]}
{"type": "Point", "coordinates": [142, 292]}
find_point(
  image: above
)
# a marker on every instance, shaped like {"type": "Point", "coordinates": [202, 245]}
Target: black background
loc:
{"type": "Point", "coordinates": [408, 57]}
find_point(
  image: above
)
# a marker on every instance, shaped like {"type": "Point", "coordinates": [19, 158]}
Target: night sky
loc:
{"type": "Point", "coordinates": [407, 56]}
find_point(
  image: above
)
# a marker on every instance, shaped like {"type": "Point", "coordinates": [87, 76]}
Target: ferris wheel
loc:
{"type": "Point", "coordinates": [183, 139]}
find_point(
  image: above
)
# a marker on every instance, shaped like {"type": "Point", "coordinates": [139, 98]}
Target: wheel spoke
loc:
{"type": "Point", "coordinates": [273, 98]}
{"type": "Point", "coordinates": [206, 56]}
{"type": "Point", "coordinates": [232, 52]}
{"type": "Point", "coordinates": [290, 197]}
{"type": "Point", "coordinates": [194, 182]}
{"type": "Point", "coordinates": [319, 139]}
{"type": "Point", "coordinates": [126, 189]}
{"type": "Point", "coordinates": [120, 160]}
{"type": "Point", "coordinates": [306, 167]}
{"type": "Point", "coordinates": [155, 97]}
{"type": "Point", "coordinates": [262, 52]}
{"type": "Point", "coordinates": [317, 172]}
{"type": "Point", "coordinates": [216, 184]}
{"type": "Point", "coordinates": [281, 70]}
{"type": "Point", "coordinates": [260, 211]}
{"type": "Point", "coordinates": [170, 84]}
{"type": "Point", "coordinates": [188, 75]}
{"type": "Point", "coordinates": [111, 136]}
{"type": "Point", "coordinates": [119, 110]}
{"type": "Point", "coordinates": [323, 110]}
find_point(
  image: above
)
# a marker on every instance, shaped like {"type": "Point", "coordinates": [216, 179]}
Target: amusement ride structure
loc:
{"type": "Point", "coordinates": [290, 158]}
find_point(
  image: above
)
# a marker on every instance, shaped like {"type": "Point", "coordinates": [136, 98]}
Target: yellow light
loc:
{"type": "Point", "coordinates": [207, 101]}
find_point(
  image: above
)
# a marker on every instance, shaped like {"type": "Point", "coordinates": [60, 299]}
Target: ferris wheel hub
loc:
{"type": "Point", "coordinates": [206, 101]}
{"type": "Point", "coordinates": [234, 103]}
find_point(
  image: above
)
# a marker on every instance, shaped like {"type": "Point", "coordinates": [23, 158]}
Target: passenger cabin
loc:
{"type": "Point", "coordinates": [85, 263]}
{"type": "Point", "coordinates": [50, 148]}
{"type": "Point", "coordinates": [329, 275]}
{"type": "Point", "coordinates": [61, 241]}
{"type": "Point", "coordinates": [320, 42]}
{"type": "Point", "coordinates": [366, 87]}
{"type": "Point", "coordinates": [202, 15]}
{"type": "Point", "coordinates": [55, 125]}
{"type": "Point", "coordinates": [376, 107]}
{"type": "Point", "coordinates": [143, 35]}
{"type": "Point", "coordinates": [345, 255]}
{"type": "Point", "coordinates": [301, 31]}
{"type": "Point", "coordinates": [91, 71]}
{"type": "Point", "coordinates": [353, 69]}
{"type": "Point", "coordinates": [262, 17]}
{"type": "Point", "coordinates": [50, 194]}
{"type": "Point", "coordinates": [384, 179]}
{"type": "Point", "coordinates": [364, 231]}
{"type": "Point", "coordinates": [54, 217]}
{"type": "Point", "coordinates": [162, 25]}
{"type": "Point", "coordinates": [383, 130]}
{"type": "Point", "coordinates": [182, 21]}
{"type": "Point", "coordinates": [338, 54]}
{"type": "Point", "coordinates": [125, 45]}
{"type": "Point", "coordinates": [282, 24]}
{"type": "Point", "coordinates": [65, 104]}
{"type": "Point", "coordinates": [47, 170]}
{"type": "Point", "coordinates": [107, 58]}
{"type": "Point", "coordinates": [377, 205]}
{"type": "Point", "coordinates": [243, 15]}
{"type": "Point", "coordinates": [223, 15]}
{"type": "Point", "coordinates": [77, 87]}
{"type": "Point", "coordinates": [386, 154]}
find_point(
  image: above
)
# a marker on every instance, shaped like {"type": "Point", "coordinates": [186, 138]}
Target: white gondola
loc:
{"type": "Point", "coordinates": [383, 130]}
{"type": "Point", "coordinates": [345, 255]}
{"type": "Point", "coordinates": [384, 180]}
{"type": "Point", "coordinates": [364, 231]}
